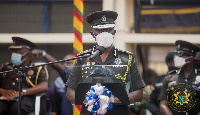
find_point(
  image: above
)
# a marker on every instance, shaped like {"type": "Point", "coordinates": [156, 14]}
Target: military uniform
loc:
{"type": "Point", "coordinates": [178, 77]}
{"type": "Point", "coordinates": [129, 76]}
{"type": "Point", "coordinates": [176, 82]}
{"type": "Point", "coordinates": [9, 82]}
{"type": "Point", "coordinates": [32, 77]}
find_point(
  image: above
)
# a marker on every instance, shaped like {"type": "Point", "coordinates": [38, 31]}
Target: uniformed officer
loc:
{"type": "Point", "coordinates": [34, 81]}
{"type": "Point", "coordinates": [103, 31]}
{"type": "Point", "coordinates": [154, 106]}
{"type": "Point", "coordinates": [177, 95]}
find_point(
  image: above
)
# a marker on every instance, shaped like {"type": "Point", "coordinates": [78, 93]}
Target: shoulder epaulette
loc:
{"type": "Point", "coordinates": [172, 72]}
{"type": "Point", "coordinates": [85, 52]}
{"type": "Point", "coordinates": [123, 51]}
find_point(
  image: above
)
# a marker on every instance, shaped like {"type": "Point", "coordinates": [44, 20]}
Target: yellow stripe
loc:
{"type": "Point", "coordinates": [76, 110]}
{"type": "Point", "coordinates": [38, 72]}
{"type": "Point", "coordinates": [79, 5]}
{"type": "Point", "coordinates": [177, 11]}
{"type": "Point", "coordinates": [29, 81]}
{"type": "Point", "coordinates": [171, 30]}
{"type": "Point", "coordinates": [78, 25]}
{"type": "Point", "coordinates": [78, 45]}
{"type": "Point", "coordinates": [47, 73]}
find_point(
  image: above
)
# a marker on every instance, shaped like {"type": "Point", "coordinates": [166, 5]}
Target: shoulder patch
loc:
{"type": "Point", "coordinates": [85, 52]}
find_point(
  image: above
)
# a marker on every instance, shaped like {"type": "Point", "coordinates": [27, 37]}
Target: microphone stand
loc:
{"type": "Point", "coordinates": [20, 74]}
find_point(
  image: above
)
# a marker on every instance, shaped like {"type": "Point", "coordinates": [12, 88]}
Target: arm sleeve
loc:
{"type": "Point", "coordinates": [42, 76]}
{"type": "Point", "coordinates": [75, 75]}
{"type": "Point", "coordinates": [136, 79]}
{"type": "Point", "coordinates": [163, 92]}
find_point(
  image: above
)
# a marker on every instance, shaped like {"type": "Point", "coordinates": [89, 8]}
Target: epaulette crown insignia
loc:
{"type": "Point", "coordinates": [172, 71]}
{"type": "Point", "coordinates": [85, 52]}
{"type": "Point", "coordinates": [124, 51]}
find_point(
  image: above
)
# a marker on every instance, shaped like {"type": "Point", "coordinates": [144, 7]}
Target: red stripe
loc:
{"type": "Point", "coordinates": [78, 15]}
{"type": "Point", "coordinates": [79, 107]}
{"type": "Point", "coordinates": [75, 54]}
{"type": "Point", "coordinates": [81, 0]}
{"type": "Point", "coordinates": [78, 36]}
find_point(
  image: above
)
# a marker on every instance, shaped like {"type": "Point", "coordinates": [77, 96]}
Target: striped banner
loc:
{"type": "Point", "coordinates": [78, 44]}
{"type": "Point", "coordinates": [78, 27]}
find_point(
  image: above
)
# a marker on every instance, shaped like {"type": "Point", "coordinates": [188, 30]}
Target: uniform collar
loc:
{"type": "Point", "coordinates": [192, 74]}
{"type": "Point", "coordinates": [111, 57]}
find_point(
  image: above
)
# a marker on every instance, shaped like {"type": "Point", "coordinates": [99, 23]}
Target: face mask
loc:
{"type": "Point", "coordinates": [104, 39]}
{"type": "Point", "coordinates": [179, 62]}
{"type": "Point", "coordinates": [16, 59]}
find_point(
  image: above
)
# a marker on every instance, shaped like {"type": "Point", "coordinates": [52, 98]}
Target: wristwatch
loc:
{"type": "Point", "coordinates": [44, 53]}
{"type": "Point", "coordinates": [24, 91]}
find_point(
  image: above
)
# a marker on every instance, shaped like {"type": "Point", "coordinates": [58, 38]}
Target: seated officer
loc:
{"type": "Point", "coordinates": [103, 31]}
{"type": "Point", "coordinates": [34, 81]}
{"type": "Point", "coordinates": [177, 95]}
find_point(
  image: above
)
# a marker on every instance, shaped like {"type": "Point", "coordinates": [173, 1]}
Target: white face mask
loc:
{"type": "Point", "coordinates": [179, 62]}
{"type": "Point", "coordinates": [104, 39]}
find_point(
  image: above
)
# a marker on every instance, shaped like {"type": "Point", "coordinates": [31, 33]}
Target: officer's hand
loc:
{"type": "Point", "coordinates": [37, 52]}
{"type": "Point", "coordinates": [14, 96]}
{"type": "Point", "coordinates": [17, 94]}
{"type": "Point", "coordinates": [8, 93]}
{"type": "Point", "coordinates": [116, 100]}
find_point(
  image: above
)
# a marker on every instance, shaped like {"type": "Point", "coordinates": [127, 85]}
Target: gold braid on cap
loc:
{"type": "Point", "coordinates": [123, 78]}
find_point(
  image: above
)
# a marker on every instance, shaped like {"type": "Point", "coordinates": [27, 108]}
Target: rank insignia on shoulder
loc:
{"type": "Point", "coordinates": [124, 51]}
{"type": "Point", "coordinates": [172, 72]}
{"type": "Point", "coordinates": [85, 52]}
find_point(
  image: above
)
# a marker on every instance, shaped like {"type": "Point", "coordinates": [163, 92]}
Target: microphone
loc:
{"type": "Point", "coordinates": [99, 50]}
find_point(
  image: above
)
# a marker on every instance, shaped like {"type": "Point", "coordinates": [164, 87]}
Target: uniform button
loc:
{"type": "Point", "coordinates": [186, 80]}
{"type": "Point", "coordinates": [13, 83]}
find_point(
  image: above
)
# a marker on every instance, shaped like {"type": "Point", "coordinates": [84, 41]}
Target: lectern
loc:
{"type": "Point", "coordinates": [109, 81]}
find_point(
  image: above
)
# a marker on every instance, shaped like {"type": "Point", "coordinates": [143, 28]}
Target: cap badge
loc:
{"type": "Point", "coordinates": [103, 18]}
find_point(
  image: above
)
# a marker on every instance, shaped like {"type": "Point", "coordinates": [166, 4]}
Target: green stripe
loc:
{"type": "Point", "coordinates": [79, 11]}
{"type": "Point", "coordinates": [78, 31]}
{"type": "Point", "coordinates": [76, 51]}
